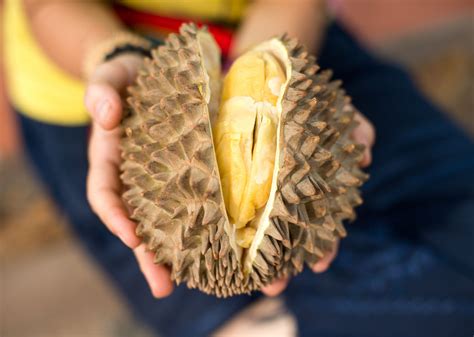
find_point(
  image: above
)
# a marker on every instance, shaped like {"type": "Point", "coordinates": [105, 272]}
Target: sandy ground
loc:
{"type": "Point", "coordinates": [50, 288]}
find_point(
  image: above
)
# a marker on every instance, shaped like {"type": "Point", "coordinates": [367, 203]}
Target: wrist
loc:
{"type": "Point", "coordinates": [116, 47]}
{"type": "Point", "coordinates": [131, 62]}
{"type": "Point", "coordinates": [121, 70]}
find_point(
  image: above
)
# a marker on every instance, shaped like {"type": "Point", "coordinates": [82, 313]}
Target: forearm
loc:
{"type": "Point", "coordinates": [304, 19]}
{"type": "Point", "coordinates": [67, 30]}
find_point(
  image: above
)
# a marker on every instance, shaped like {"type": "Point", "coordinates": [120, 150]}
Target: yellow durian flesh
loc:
{"type": "Point", "coordinates": [245, 138]}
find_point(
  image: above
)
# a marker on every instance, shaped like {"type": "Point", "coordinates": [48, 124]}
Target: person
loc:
{"type": "Point", "coordinates": [406, 269]}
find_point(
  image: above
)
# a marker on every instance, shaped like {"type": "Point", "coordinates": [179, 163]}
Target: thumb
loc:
{"type": "Point", "coordinates": [109, 80]}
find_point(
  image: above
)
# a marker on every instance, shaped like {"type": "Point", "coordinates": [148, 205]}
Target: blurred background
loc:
{"type": "Point", "coordinates": [434, 39]}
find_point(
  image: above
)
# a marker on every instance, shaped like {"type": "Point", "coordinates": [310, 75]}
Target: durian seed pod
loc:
{"type": "Point", "coordinates": [172, 179]}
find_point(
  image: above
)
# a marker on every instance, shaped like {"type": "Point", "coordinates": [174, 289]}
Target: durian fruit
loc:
{"type": "Point", "coordinates": [237, 182]}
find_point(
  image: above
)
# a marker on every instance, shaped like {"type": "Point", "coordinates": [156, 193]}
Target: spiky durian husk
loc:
{"type": "Point", "coordinates": [173, 183]}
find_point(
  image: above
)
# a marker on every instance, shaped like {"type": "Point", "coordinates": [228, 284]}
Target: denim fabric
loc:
{"type": "Point", "coordinates": [407, 266]}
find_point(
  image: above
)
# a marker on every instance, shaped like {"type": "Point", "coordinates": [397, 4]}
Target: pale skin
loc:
{"type": "Point", "coordinates": [68, 30]}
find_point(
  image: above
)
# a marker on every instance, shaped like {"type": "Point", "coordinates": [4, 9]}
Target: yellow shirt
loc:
{"type": "Point", "coordinates": [43, 91]}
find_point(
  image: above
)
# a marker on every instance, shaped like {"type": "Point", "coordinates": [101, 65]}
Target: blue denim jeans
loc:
{"type": "Point", "coordinates": [407, 266]}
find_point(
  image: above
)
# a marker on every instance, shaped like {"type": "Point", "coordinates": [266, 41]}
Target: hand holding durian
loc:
{"type": "Point", "coordinates": [236, 183]}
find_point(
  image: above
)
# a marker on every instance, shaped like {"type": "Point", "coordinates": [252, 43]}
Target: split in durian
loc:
{"type": "Point", "coordinates": [245, 138]}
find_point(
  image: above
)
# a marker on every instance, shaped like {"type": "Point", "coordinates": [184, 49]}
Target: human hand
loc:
{"type": "Point", "coordinates": [104, 188]}
{"type": "Point", "coordinates": [364, 134]}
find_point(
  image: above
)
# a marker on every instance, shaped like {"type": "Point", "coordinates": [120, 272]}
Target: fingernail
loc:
{"type": "Point", "coordinates": [102, 110]}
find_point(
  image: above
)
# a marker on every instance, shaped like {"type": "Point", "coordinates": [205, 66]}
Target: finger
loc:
{"type": "Point", "coordinates": [364, 134]}
{"type": "Point", "coordinates": [157, 276]}
{"type": "Point", "coordinates": [102, 97]}
{"type": "Point", "coordinates": [104, 104]}
{"type": "Point", "coordinates": [107, 83]}
{"type": "Point", "coordinates": [109, 208]}
{"type": "Point", "coordinates": [104, 187]}
{"type": "Point", "coordinates": [276, 287]}
{"type": "Point", "coordinates": [323, 264]}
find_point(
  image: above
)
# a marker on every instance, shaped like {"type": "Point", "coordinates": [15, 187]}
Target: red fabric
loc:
{"type": "Point", "coordinates": [132, 17]}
